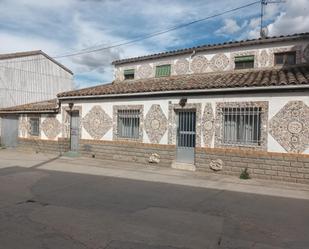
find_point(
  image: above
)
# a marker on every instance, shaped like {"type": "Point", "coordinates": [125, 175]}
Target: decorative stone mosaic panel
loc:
{"type": "Point", "coordinates": [306, 53]}
{"type": "Point", "coordinates": [155, 124]}
{"type": "Point", "coordinates": [66, 121]}
{"type": "Point", "coordinates": [219, 62]}
{"type": "Point", "coordinates": [97, 122]}
{"type": "Point", "coordinates": [145, 71]}
{"type": "Point", "coordinates": [199, 64]}
{"type": "Point", "coordinates": [51, 127]}
{"type": "Point", "coordinates": [128, 107]}
{"type": "Point", "coordinates": [264, 58]}
{"type": "Point", "coordinates": [290, 126]}
{"type": "Point", "coordinates": [118, 74]}
{"type": "Point", "coordinates": [172, 122]}
{"type": "Point", "coordinates": [181, 66]}
{"type": "Point", "coordinates": [219, 123]}
{"type": "Point", "coordinates": [23, 126]}
{"type": "Point", "coordinates": [208, 124]}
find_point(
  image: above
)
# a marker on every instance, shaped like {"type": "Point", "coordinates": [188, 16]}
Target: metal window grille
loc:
{"type": "Point", "coordinates": [35, 126]}
{"type": "Point", "coordinates": [286, 58]}
{"type": "Point", "coordinates": [242, 125]}
{"type": "Point", "coordinates": [128, 123]}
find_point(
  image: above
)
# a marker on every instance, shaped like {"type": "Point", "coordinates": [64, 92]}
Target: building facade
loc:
{"type": "Point", "coordinates": [219, 108]}
{"type": "Point", "coordinates": [32, 76]}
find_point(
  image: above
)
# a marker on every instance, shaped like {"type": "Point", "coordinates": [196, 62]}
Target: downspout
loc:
{"type": "Point", "coordinates": [193, 53]}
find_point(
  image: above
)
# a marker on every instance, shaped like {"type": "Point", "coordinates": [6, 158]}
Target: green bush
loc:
{"type": "Point", "coordinates": [244, 174]}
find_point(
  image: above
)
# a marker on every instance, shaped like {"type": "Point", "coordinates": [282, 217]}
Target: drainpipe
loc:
{"type": "Point", "coordinates": [193, 53]}
{"type": "Point", "coordinates": [71, 108]}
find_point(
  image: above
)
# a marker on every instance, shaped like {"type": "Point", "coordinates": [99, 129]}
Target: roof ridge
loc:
{"type": "Point", "coordinates": [30, 53]}
{"type": "Point", "coordinates": [211, 46]}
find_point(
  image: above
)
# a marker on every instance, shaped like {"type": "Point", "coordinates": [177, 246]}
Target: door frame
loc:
{"type": "Point", "coordinates": [185, 154]}
{"type": "Point", "coordinates": [172, 122]}
{"type": "Point", "coordinates": [72, 148]}
{"type": "Point", "coordinates": [2, 131]}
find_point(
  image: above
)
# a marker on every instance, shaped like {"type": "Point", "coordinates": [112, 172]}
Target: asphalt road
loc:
{"type": "Point", "coordinates": [53, 210]}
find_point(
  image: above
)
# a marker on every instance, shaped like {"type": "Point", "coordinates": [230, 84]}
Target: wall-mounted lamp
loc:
{"type": "Point", "coordinates": [71, 106]}
{"type": "Point", "coordinates": [182, 102]}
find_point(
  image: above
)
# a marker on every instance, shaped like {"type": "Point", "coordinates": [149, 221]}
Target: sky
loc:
{"type": "Point", "coordinates": [60, 27]}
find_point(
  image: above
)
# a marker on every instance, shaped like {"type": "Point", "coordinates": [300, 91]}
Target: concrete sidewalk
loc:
{"type": "Point", "coordinates": [81, 165]}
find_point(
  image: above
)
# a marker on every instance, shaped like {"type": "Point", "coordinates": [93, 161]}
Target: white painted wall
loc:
{"type": "Point", "coordinates": [276, 102]}
{"type": "Point", "coordinates": [229, 52]}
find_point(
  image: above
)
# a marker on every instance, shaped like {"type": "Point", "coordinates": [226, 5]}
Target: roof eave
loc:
{"type": "Point", "coordinates": [193, 91]}
{"type": "Point", "coordinates": [32, 111]}
{"type": "Point", "coordinates": [213, 47]}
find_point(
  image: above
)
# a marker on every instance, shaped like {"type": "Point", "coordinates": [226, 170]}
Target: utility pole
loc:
{"type": "Point", "coordinates": [263, 30]}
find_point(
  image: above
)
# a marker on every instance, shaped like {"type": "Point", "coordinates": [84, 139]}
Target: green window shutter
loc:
{"type": "Point", "coordinates": [128, 71]}
{"type": "Point", "coordinates": [244, 58]}
{"type": "Point", "coordinates": [163, 70]}
{"type": "Point", "coordinates": [128, 74]}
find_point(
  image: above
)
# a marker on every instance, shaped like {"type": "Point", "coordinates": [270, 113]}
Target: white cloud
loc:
{"type": "Point", "coordinates": [231, 27]}
{"type": "Point", "coordinates": [293, 19]}
{"type": "Point", "coordinates": [60, 26]}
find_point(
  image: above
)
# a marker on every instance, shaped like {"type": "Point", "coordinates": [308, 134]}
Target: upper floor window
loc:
{"type": "Point", "coordinates": [286, 58]}
{"type": "Point", "coordinates": [128, 74]}
{"type": "Point", "coordinates": [243, 62]}
{"type": "Point", "coordinates": [163, 70]}
{"type": "Point", "coordinates": [34, 126]}
{"type": "Point", "coordinates": [128, 122]}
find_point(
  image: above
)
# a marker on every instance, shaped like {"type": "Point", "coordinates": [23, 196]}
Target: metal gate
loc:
{"type": "Point", "coordinates": [74, 131]}
{"type": "Point", "coordinates": [185, 136]}
{"type": "Point", "coordinates": [9, 130]}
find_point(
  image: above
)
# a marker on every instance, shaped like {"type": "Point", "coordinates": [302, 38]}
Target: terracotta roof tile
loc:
{"type": "Point", "coordinates": [42, 106]}
{"type": "Point", "coordinates": [215, 46]}
{"type": "Point", "coordinates": [296, 75]}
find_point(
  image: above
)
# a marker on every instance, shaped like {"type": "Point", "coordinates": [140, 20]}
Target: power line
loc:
{"type": "Point", "coordinates": [160, 32]}
{"type": "Point", "coordinates": [81, 52]}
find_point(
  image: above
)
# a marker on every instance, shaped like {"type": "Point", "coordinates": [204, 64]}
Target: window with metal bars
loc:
{"type": "Point", "coordinates": [242, 125]}
{"type": "Point", "coordinates": [286, 58]}
{"type": "Point", "coordinates": [128, 122]}
{"type": "Point", "coordinates": [34, 126]}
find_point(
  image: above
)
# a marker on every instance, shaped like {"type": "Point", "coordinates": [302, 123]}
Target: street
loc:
{"type": "Point", "coordinates": [50, 209]}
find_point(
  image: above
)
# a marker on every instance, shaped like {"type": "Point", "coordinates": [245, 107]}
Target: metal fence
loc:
{"type": "Point", "coordinates": [128, 123]}
{"type": "Point", "coordinates": [242, 125]}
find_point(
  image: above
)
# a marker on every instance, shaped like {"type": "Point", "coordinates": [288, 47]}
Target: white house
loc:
{"type": "Point", "coordinates": [218, 108]}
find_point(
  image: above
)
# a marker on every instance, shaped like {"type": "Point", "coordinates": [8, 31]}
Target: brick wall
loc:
{"type": "Point", "coordinates": [40, 145]}
{"type": "Point", "coordinates": [127, 151]}
{"type": "Point", "coordinates": [288, 167]}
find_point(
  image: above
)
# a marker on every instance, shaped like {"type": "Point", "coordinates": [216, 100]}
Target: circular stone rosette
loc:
{"type": "Point", "coordinates": [144, 71]}
{"type": "Point", "coordinates": [182, 66]}
{"type": "Point", "coordinates": [199, 64]}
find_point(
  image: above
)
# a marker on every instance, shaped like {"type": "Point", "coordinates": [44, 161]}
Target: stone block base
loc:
{"type": "Point", "coordinates": [289, 167]}
{"type": "Point", "coordinates": [40, 145]}
{"type": "Point", "coordinates": [128, 151]}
